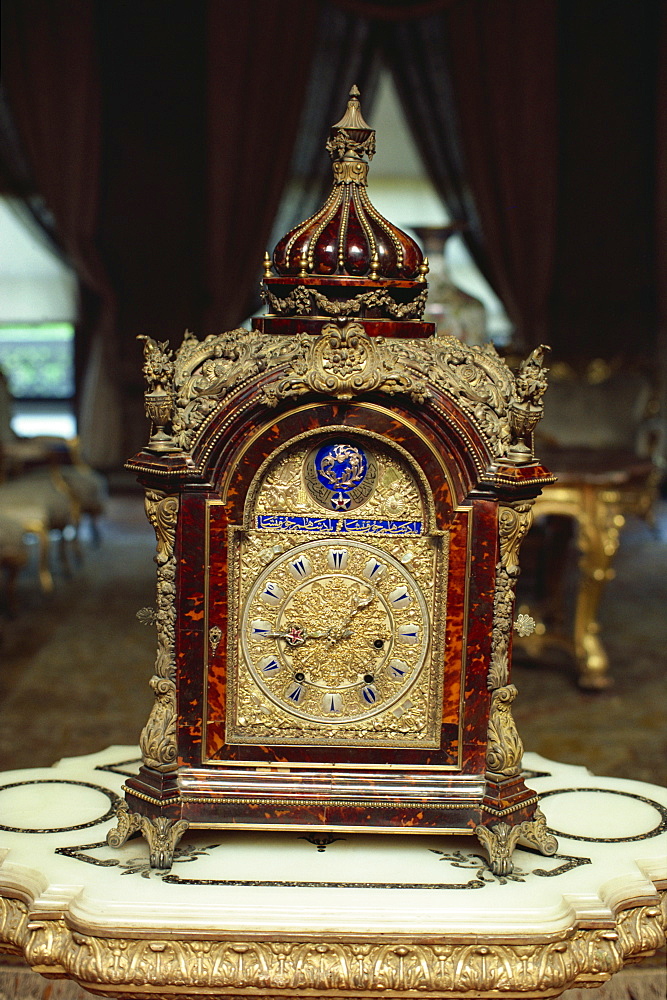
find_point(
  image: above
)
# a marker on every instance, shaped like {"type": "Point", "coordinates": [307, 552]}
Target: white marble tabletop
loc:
{"type": "Point", "coordinates": [359, 914]}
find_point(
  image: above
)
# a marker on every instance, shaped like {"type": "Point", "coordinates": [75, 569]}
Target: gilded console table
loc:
{"type": "Point", "coordinates": [284, 915]}
{"type": "Point", "coordinates": [598, 490]}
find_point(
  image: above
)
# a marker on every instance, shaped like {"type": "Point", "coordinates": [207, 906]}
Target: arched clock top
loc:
{"type": "Point", "coordinates": [223, 383]}
{"type": "Point", "coordinates": [339, 472]}
{"type": "Point", "coordinates": [398, 438]}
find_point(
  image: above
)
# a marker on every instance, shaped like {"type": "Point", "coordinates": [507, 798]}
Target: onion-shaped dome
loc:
{"type": "Point", "coordinates": [348, 237]}
{"type": "Point", "coordinates": [347, 262]}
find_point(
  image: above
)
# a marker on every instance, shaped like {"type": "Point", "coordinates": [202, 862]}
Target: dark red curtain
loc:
{"type": "Point", "coordinates": [259, 56]}
{"type": "Point", "coordinates": [160, 137]}
{"type": "Point", "coordinates": [50, 73]}
{"type": "Point", "coordinates": [153, 215]}
{"type": "Point", "coordinates": [604, 296]}
{"type": "Point", "coordinates": [661, 210]}
{"type": "Point", "coordinates": [478, 85]}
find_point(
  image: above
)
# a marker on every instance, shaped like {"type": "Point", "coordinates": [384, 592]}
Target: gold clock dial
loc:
{"type": "Point", "coordinates": [335, 632]}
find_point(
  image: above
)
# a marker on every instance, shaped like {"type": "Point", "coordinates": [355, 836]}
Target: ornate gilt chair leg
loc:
{"type": "Point", "coordinates": [44, 544]}
{"type": "Point", "coordinates": [597, 539]}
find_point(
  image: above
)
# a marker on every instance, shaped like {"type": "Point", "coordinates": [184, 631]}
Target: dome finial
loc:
{"type": "Point", "coordinates": [352, 138]}
{"type": "Point", "coordinates": [353, 117]}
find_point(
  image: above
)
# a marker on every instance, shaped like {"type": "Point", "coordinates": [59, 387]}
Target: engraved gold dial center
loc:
{"type": "Point", "coordinates": [335, 632]}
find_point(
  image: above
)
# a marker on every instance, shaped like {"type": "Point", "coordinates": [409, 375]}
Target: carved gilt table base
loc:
{"type": "Point", "coordinates": [598, 500]}
{"type": "Point", "coordinates": [289, 915]}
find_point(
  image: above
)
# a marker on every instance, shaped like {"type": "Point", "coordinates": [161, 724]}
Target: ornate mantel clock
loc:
{"type": "Point", "coordinates": [339, 498]}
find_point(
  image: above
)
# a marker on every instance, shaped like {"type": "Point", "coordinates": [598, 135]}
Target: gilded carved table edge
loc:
{"type": "Point", "coordinates": [136, 966]}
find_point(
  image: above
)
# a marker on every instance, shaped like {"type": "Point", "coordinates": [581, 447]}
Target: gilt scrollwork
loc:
{"type": "Point", "coordinates": [205, 372]}
{"type": "Point", "coordinates": [141, 965]}
{"type": "Point", "coordinates": [503, 606]}
{"type": "Point", "coordinates": [534, 833]}
{"type": "Point", "coordinates": [344, 362]}
{"type": "Point", "coordinates": [127, 823]}
{"type": "Point", "coordinates": [158, 738]}
{"type": "Point", "coordinates": [504, 747]}
{"type": "Point", "coordinates": [302, 301]}
{"type": "Point", "coordinates": [13, 925]}
{"type": "Point", "coordinates": [500, 840]}
{"type": "Point", "coordinates": [162, 835]}
{"type": "Point", "coordinates": [514, 520]}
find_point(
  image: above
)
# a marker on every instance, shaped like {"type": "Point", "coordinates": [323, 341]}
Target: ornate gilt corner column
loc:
{"type": "Point", "coordinates": [505, 749]}
{"type": "Point", "coordinates": [158, 739]}
{"type": "Point", "coordinates": [514, 521]}
{"type": "Point", "coordinates": [507, 797]}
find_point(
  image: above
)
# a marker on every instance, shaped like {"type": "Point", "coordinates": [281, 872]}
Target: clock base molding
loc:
{"type": "Point", "coordinates": [500, 811]}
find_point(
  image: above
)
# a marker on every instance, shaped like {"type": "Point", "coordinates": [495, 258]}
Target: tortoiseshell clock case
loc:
{"type": "Point", "coordinates": [339, 498]}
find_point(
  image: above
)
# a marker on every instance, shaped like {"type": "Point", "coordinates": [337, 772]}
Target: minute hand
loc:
{"type": "Point", "coordinates": [344, 632]}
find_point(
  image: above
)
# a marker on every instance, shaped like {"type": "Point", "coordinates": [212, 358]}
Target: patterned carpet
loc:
{"type": "Point", "coordinates": [76, 667]}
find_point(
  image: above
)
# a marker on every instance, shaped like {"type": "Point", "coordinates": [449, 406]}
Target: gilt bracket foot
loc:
{"type": "Point", "coordinates": [500, 840]}
{"type": "Point", "coordinates": [161, 834]}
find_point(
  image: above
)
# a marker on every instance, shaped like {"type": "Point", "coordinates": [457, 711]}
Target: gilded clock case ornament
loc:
{"type": "Point", "coordinates": [339, 423]}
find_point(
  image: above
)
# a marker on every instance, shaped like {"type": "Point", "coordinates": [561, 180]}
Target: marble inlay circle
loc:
{"type": "Point", "coordinates": [606, 808]}
{"type": "Point", "coordinates": [50, 805]}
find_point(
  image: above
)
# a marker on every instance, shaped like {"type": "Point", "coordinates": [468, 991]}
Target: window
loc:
{"type": "Point", "coordinates": [38, 302]}
{"type": "Point", "coordinates": [38, 360]}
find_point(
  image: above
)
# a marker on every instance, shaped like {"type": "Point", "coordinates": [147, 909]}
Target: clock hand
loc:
{"type": "Point", "coordinates": [344, 632]}
{"type": "Point", "coordinates": [295, 636]}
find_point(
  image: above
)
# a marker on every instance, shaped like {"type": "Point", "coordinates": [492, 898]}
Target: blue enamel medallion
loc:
{"type": "Point", "coordinates": [341, 466]}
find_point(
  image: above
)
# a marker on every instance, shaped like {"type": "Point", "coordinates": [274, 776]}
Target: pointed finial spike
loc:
{"type": "Point", "coordinates": [267, 265]}
{"type": "Point", "coordinates": [353, 117]}
{"type": "Point", "coordinates": [303, 260]}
